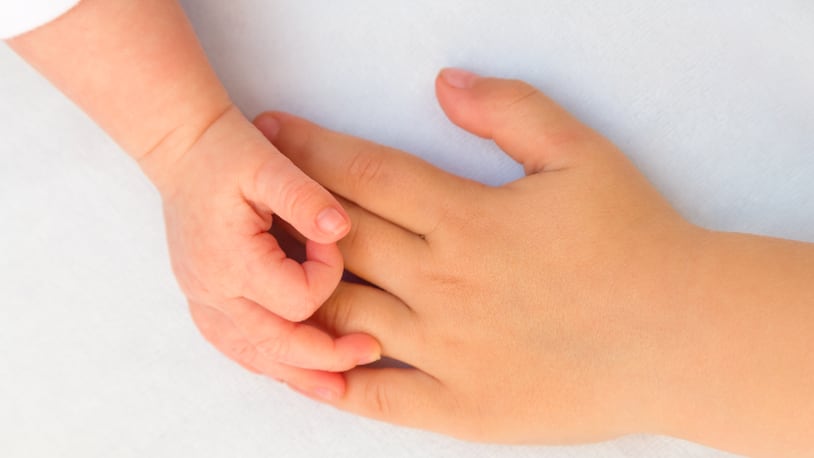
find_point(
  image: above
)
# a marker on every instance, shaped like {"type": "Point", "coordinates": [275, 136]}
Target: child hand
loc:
{"type": "Point", "coordinates": [137, 69]}
{"type": "Point", "coordinates": [540, 311]}
{"type": "Point", "coordinates": [246, 296]}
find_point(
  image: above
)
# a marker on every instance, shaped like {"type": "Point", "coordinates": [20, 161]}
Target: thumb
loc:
{"type": "Point", "coordinates": [295, 197]}
{"type": "Point", "coordinates": [526, 124]}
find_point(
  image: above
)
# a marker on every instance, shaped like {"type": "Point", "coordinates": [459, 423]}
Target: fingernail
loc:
{"type": "Point", "coordinates": [331, 222]}
{"type": "Point", "coordinates": [325, 394]}
{"type": "Point", "coordinates": [459, 78]}
{"type": "Point", "coordinates": [269, 126]}
{"type": "Point", "coordinates": [372, 358]}
{"type": "Point", "coordinates": [322, 393]}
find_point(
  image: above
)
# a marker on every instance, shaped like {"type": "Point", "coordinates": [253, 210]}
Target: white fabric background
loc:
{"type": "Point", "coordinates": [713, 100]}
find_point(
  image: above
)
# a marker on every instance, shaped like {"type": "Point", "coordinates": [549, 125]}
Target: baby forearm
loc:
{"type": "Point", "coordinates": [135, 66]}
{"type": "Point", "coordinates": [749, 378]}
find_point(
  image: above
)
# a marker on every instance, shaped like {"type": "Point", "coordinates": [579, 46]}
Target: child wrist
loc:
{"type": "Point", "coordinates": [161, 163]}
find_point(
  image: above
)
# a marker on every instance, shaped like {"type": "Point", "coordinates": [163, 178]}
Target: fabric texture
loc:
{"type": "Point", "coordinates": [20, 16]}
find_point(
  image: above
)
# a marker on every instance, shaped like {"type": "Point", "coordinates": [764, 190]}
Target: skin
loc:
{"type": "Point", "coordinates": [601, 312]}
{"type": "Point", "coordinates": [135, 66]}
{"type": "Point", "coordinates": [572, 305]}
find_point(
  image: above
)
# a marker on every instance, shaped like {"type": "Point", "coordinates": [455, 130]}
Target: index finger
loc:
{"type": "Point", "coordinates": [395, 185]}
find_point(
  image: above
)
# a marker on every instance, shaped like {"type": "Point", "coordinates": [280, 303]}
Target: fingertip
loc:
{"type": "Point", "coordinates": [334, 224]}
{"type": "Point", "coordinates": [326, 258]}
{"type": "Point", "coordinates": [318, 385]}
{"type": "Point", "coordinates": [262, 115]}
{"type": "Point", "coordinates": [323, 271]}
{"type": "Point", "coordinates": [281, 118]}
{"type": "Point", "coordinates": [306, 290]}
{"type": "Point", "coordinates": [297, 199]}
{"type": "Point", "coordinates": [457, 94]}
{"type": "Point", "coordinates": [324, 225]}
{"type": "Point", "coordinates": [250, 368]}
{"type": "Point", "coordinates": [365, 348]}
{"type": "Point", "coordinates": [319, 393]}
{"type": "Point", "coordinates": [458, 78]}
{"type": "Point", "coordinates": [445, 88]}
{"type": "Point", "coordinates": [268, 124]}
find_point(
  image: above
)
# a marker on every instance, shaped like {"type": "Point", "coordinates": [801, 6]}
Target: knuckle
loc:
{"type": "Point", "coordinates": [364, 170]}
{"type": "Point", "coordinates": [276, 347]}
{"type": "Point", "coordinates": [379, 400]}
{"type": "Point", "coordinates": [336, 313]}
{"type": "Point", "coordinates": [243, 352]}
{"type": "Point", "coordinates": [297, 305]}
{"type": "Point", "coordinates": [518, 94]}
{"type": "Point", "coordinates": [302, 309]}
{"type": "Point", "coordinates": [454, 216]}
{"type": "Point", "coordinates": [443, 276]}
{"type": "Point", "coordinates": [467, 218]}
{"type": "Point", "coordinates": [447, 282]}
{"type": "Point", "coordinates": [297, 194]}
{"type": "Point", "coordinates": [264, 176]}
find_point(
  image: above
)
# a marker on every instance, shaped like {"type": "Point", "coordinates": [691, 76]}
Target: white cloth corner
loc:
{"type": "Point", "coordinates": [20, 16]}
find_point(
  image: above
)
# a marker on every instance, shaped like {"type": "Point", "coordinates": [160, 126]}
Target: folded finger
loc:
{"type": "Point", "coordinates": [284, 189]}
{"type": "Point", "coordinates": [218, 330]}
{"type": "Point", "coordinates": [289, 289]}
{"type": "Point", "coordinates": [299, 344]}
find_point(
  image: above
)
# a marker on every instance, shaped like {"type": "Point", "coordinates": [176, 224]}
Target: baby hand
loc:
{"type": "Point", "coordinates": [546, 310]}
{"type": "Point", "coordinates": [247, 297]}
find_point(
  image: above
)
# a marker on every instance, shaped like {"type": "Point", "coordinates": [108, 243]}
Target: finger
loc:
{"type": "Point", "coordinates": [283, 285]}
{"type": "Point", "coordinates": [286, 191]}
{"type": "Point", "coordinates": [381, 252]}
{"type": "Point", "coordinates": [354, 309]}
{"type": "Point", "coordinates": [400, 187]}
{"type": "Point", "coordinates": [299, 344]}
{"type": "Point", "coordinates": [406, 397]}
{"type": "Point", "coordinates": [218, 330]}
{"type": "Point", "coordinates": [375, 250]}
{"type": "Point", "coordinates": [526, 124]}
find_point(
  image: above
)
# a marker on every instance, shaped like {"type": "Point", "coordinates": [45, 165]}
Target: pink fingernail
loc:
{"type": "Point", "coordinates": [369, 359]}
{"type": "Point", "coordinates": [319, 393]}
{"type": "Point", "coordinates": [459, 78]}
{"type": "Point", "coordinates": [331, 222]}
{"type": "Point", "coordinates": [269, 126]}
